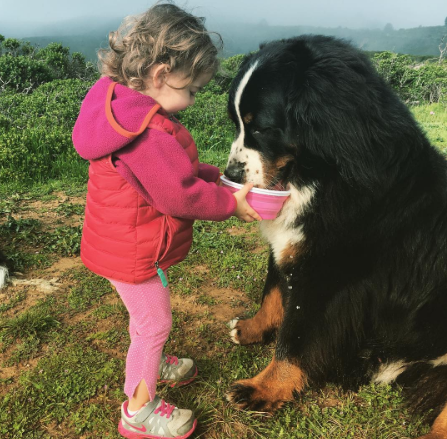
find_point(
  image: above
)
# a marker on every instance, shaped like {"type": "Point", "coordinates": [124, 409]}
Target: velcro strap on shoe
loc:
{"type": "Point", "coordinates": [146, 411]}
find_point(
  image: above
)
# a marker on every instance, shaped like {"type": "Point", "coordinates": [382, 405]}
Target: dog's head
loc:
{"type": "Point", "coordinates": [313, 108]}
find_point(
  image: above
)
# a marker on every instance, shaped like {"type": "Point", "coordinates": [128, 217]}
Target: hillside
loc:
{"type": "Point", "coordinates": [243, 38]}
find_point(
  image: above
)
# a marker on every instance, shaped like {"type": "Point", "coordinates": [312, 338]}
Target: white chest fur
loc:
{"type": "Point", "coordinates": [285, 230]}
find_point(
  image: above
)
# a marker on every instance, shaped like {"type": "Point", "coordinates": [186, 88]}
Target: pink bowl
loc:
{"type": "Point", "coordinates": [265, 201]}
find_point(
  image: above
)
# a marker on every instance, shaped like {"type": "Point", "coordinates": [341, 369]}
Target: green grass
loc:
{"type": "Point", "coordinates": [433, 119]}
{"type": "Point", "coordinates": [63, 352]}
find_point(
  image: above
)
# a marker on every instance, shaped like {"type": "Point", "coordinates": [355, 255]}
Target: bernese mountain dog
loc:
{"type": "Point", "coordinates": [356, 290]}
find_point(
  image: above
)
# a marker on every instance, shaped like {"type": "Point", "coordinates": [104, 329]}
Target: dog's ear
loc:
{"type": "Point", "coordinates": [343, 114]}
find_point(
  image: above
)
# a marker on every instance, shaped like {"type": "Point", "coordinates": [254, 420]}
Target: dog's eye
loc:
{"type": "Point", "coordinates": [260, 131]}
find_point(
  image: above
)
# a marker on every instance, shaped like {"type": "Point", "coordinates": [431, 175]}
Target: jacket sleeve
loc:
{"type": "Point", "coordinates": [162, 171]}
{"type": "Point", "coordinates": [208, 172]}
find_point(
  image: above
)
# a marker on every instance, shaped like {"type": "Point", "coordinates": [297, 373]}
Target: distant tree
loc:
{"type": "Point", "coordinates": [388, 28]}
{"type": "Point", "coordinates": [80, 68]}
{"type": "Point", "coordinates": [57, 59]}
{"type": "Point", "coordinates": [28, 50]}
{"type": "Point", "coordinates": [442, 48]}
{"type": "Point", "coordinates": [22, 73]}
{"type": "Point", "coordinates": [12, 45]}
{"type": "Point", "coordinates": [445, 22]}
{"type": "Point", "coordinates": [24, 67]}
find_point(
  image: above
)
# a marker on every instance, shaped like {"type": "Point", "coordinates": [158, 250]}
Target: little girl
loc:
{"type": "Point", "coordinates": [146, 187]}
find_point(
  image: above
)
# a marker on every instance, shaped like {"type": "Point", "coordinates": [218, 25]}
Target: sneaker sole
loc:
{"type": "Point", "coordinates": [135, 435]}
{"type": "Point", "coordinates": [180, 383]}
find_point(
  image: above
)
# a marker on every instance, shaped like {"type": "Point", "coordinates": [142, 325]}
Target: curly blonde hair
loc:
{"type": "Point", "coordinates": [164, 34]}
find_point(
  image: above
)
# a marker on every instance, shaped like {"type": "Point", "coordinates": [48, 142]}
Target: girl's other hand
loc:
{"type": "Point", "coordinates": [243, 210]}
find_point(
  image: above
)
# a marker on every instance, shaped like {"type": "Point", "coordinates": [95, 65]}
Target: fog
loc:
{"type": "Point", "coordinates": [27, 18]}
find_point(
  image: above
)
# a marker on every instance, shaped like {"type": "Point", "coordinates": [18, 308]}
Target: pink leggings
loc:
{"type": "Point", "coordinates": [150, 323]}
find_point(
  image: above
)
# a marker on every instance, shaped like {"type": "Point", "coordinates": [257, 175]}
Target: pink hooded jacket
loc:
{"type": "Point", "coordinates": [155, 165]}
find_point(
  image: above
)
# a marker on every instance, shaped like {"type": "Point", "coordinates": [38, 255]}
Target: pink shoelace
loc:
{"type": "Point", "coordinates": [170, 359]}
{"type": "Point", "coordinates": [165, 409]}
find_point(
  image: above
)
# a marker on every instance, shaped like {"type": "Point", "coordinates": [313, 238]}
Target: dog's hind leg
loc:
{"type": "Point", "coordinates": [425, 386]}
{"type": "Point", "coordinates": [263, 326]}
{"type": "Point", "coordinates": [278, 383]}
{"type": "Point", "coordinates": [439, 427]}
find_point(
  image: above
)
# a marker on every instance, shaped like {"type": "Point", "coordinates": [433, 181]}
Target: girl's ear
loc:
{"type": "Point", "coordinates": [158, 75]}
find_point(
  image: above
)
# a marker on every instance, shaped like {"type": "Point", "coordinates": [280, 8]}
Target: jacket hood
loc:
{"type": "Point", "coordinates": [111, 117]}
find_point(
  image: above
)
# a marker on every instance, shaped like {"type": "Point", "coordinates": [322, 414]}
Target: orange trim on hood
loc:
{"type": "Point", "coordinates": [116, 126]}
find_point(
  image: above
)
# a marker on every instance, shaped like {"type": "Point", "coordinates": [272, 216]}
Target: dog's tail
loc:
{"type": "Point", "coordinates": [425, 387]}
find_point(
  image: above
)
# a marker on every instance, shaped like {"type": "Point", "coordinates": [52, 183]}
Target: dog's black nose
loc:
{"type": "Point", "coordinates": [235, 172]}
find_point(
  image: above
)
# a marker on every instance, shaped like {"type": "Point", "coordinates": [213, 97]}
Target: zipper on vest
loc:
{"type": "Point", "coordinates": [161, 274]}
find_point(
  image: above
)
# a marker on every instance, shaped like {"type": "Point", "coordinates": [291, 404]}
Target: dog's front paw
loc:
{"type": "Point", "coordinates": [246, 332]}
{"type": "Point", "coordinates": [235, 332]}
{"type": "Point", "coordinates": [245, 395]}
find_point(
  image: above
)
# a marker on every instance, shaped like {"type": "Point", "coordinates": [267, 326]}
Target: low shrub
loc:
{"type": "Point", "coordinates": [35, 142]}
{"type": "Point", "coordinates": [414, 82]}
{"type": "Point", "coordinates": [23, 67]}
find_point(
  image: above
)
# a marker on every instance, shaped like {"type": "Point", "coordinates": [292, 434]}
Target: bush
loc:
{"type": "Point", "coordinates": [208, 122]}
{"type": "Point", "coordinates": [207, 119]}
{"type": "Point", "coordinates": [35, 142]}
{"type": "Point", "coordinates": [414, 82]}
{"type": "Point", "coordinates": [228, 70]}
{"type": "Point", "coordinates": [21, 73]}
{"type": "Point", "coordinates": [23, 67]}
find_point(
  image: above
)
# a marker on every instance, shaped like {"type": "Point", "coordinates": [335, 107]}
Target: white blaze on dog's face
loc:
{"type": "Point", "coordinates": [261, 151]}
{"type": "Point", "coordinates": [248, 160]}
{"type": "Point", "coordinates": [253, 167]}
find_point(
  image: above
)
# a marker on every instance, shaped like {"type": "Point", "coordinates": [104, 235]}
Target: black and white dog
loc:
{"type": "Point", "coordinates": [357, 279]}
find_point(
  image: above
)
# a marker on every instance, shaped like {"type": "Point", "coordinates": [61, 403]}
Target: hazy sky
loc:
{"type": "Point", "coordinates": [330, 13]}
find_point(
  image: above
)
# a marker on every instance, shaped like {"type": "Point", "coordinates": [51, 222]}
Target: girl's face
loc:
{"type": "Point", "coordinates": [178, 95]}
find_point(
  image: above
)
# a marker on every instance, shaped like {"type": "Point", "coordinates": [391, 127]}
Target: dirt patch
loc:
{"type": "Point", "coordinates": [13, 371]}
{"type": "Point", "coordinates": [224, 305]}
{"type": "Point", "coordinates": [37, 285]}
{"type": "Point", "coordinates": [230, 304]}
{"type": "Point", "coordinates": [236, 231]}
{"type": "Point", "coordinates": [47, 211]}
{"type": "Point", "coordinates": [64, 264]}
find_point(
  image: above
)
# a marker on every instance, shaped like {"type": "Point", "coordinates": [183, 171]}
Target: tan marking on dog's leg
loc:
{"type": "Point", "coordinates": [270, 389]}
{"type": "Point", "coordinates": [439, 427]}
{"type": "Point", "coordinates": [267, 319]}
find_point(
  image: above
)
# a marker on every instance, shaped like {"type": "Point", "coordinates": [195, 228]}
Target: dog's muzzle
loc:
{"type": "Point", "coordinates": [235, 172]}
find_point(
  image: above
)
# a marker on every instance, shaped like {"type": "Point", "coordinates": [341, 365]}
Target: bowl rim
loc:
{"type": "Point", "coordinates": [255, 190]}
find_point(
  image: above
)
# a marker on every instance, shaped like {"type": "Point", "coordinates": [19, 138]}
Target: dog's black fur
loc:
{"type": "Point", "coordinates": [366, 286]}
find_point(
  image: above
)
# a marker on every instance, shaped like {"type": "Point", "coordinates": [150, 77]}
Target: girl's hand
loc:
{"type": "Point", "coordinates": [243, 210]}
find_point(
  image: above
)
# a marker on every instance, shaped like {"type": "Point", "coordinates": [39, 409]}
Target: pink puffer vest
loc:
{"type": "Point", "coordinates": [124, 238]}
